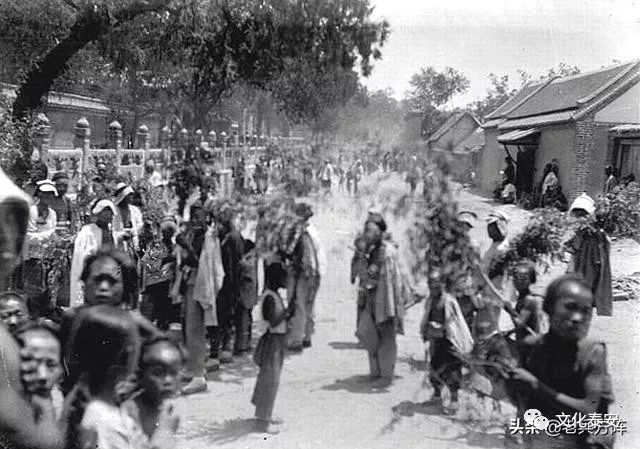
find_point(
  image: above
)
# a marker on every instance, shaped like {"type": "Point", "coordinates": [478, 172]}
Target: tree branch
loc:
{"type": "Point", "coordinates": [89, 26]}
{"type": "Point", "coordinates": [71, 4]}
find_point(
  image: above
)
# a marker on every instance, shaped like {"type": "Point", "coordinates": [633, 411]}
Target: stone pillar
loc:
{"type": "Point", "coordinates": [115, 139]}
{"type": "Point", "coordinates": [144, 142]}
{"type": "Point", "coordinates": [83, 141]}
{"type": "Point", "coordinates": [165, 144]}
{"type": "Point", "coordinates": [183, 142]}
{"type": "Point", "coordinates": [212, 139]}
{"type": "Point", "coordinates": [43, 134]}
{"type": "Point", "coordinates": [223, 138]}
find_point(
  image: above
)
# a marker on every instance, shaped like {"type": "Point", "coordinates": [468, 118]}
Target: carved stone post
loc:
{"type": "Point", "coordinates": [83, 141]}
{"type": "Point", "coordinates": [223, 138]}
{"type": "Point", "coordinates": [144, 143]}
{"type": "Point", "coordinates": [43, 134]}
{"type": "Point", "coordinates": [165, 144]}
{"type": "Point", "coordinates": [184, 139]}
{"type": "Point", "coordinates": [115, 140]}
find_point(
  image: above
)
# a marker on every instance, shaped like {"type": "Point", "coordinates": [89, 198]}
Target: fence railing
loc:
{"type": "Point", "coordinates": [217, 150]}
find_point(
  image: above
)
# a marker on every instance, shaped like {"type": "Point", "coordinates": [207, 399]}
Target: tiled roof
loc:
{"type": "Point", "coordinates": [450, 123]}
{"type": "Point", "coordinates": [514, 101]}
{"type": "Point", "coordinates": [566, 93]}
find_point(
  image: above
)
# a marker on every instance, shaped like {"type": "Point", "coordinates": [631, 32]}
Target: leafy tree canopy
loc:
{"type": "Point", "coordinates": [195, 51]}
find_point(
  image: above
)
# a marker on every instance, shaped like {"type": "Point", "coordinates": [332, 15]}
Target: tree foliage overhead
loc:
{"type": "Point", "coordinates": [433, 88]}
{"type": "Point", "coordinates": [195, 51]}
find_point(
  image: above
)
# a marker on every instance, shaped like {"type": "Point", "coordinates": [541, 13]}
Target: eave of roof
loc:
{"type": "Point", "coordinates": [538, 120]}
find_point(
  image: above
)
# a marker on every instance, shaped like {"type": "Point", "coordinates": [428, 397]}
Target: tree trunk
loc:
{"type": "Point", "coordinates": [40, 78]}
{"type": "Point", "coordinates": [92, 22]}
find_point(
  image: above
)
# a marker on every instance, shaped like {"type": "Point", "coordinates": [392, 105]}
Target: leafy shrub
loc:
{"type": "Point", "coordinates": [618, 213]}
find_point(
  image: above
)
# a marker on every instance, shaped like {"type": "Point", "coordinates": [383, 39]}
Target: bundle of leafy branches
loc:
{"type": "Point", "coordinates": [618, 213]}
{"type": "Point", "coordinates": [279, 227]}
{"type": "Point", "coordinates": [540, 242]}
{"type": "Point", "coordinates": [56, 255]}
{"type": "Point", "coordinates": [438, 239]}
{"type": "Point", "coordinates": [184, 180]}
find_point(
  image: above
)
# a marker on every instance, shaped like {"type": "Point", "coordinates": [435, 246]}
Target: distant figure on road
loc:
{"type": "Point", "coordinates": [326, 175]}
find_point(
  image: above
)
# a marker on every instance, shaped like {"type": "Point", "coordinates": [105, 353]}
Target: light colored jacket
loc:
{"type": "Point", "coordinates": [136, 227]}
{"type": "Point", "coordinates": [87, 242]}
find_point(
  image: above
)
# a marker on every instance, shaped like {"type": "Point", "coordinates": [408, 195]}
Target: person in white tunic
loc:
{"type": "Point", "coordinates": [91, 237]}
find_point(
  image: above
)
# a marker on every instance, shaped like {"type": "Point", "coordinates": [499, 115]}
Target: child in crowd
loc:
{"type": "Point", "coordinates": [565, 372]}
{"type": "Point", "coordinates": [269, 353]}
{"type": "Point", "coordinates": [446, 330]}
{"type": "Point", "coordinates": [530, 317]}
{"type": "Point", "coordinates": [104, 347]}
{"type": "Point", "coordinates": [14, 312]}
{"type": "Point", "coordinates": [160, 363]}
{"type": "Point", "coordinates": [41, 366]}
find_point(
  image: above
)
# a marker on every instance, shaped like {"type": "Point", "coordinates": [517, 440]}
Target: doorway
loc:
{"type": "Point", "coordinates": [525, 168]}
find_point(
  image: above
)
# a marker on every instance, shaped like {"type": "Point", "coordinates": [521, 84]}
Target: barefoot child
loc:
{"type": "Point", "coordinates": [529, 315]}
{"type": "Point", "coordinates": [269, 354]}
{"type": "Point", "coordinates": [160, 364]}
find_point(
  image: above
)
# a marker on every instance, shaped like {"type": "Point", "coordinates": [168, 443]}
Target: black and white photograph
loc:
{"type": "Point", "coordinates": [319, 224]}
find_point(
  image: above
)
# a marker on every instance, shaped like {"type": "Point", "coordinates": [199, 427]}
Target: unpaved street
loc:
{"type": "Point", "coordinates": [324, 398]}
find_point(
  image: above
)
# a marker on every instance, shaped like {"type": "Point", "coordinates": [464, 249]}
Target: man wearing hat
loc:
{"type": "Point", "coordinates": [62, 204]}
{"type": "Point", "coordinates": [91, 237]}
{"type": "Point", "coordinates": [41, 226]}
{"type": "Point", "coordinates": [127, 223]}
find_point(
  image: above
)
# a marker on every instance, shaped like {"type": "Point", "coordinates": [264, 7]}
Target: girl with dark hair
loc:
{"type": "Point", "coordinates": [564, 371]}
{"type": "Point", "coordinates": [103, 351]}
{"type": "Point", "coordinates": [158, 376]}
{"type": "Point", "coordinates": [108, 276]}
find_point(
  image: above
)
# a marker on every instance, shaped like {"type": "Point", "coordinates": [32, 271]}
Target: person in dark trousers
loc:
{"type": "Point", "coordinates": [509, 172]}
{"type": "Point", "coordinates": [232, 250]}
{"type": "Point", "coordinates": [247, 298]}
{"type": "Point", "coordinates": [270, 352]}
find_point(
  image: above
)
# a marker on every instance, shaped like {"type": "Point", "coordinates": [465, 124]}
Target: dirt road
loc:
{"type": "Point", "coordinates": [324, 398]}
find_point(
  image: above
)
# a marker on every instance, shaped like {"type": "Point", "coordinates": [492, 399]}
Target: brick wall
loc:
{"type": "Point", "coordinates": [583, 148]}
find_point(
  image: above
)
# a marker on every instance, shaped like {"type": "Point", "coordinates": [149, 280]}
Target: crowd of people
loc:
{"type": "Point", "coordinates": [153, 306]}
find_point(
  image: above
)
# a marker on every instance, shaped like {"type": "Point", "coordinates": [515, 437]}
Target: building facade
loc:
{"type": "Point", "coordinates": [570, 121]}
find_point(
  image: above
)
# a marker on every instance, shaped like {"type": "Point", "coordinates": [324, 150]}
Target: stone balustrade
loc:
{"type": "Point", "coordinates": [212, 149]}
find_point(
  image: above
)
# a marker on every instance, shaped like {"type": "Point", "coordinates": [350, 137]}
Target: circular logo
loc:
{"type": "Point", "coordinates": [541, 423]}
{"type": "Point", "coordinates": [530, 415]}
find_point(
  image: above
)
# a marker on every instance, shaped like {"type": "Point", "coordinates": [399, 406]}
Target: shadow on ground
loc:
{"type": "Point", "coordinates": [222, 433]}
{"type": "Point", "coordinates": [241, 368]}
{"type": "Point", "coordinates": [346, 345]}
{"type": "Point", "coordinates": [483, 438]}
{"type": "Point", "coordinates": [359, 384]}
{"type": "Point", "coordinates": [414, 364]}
